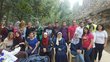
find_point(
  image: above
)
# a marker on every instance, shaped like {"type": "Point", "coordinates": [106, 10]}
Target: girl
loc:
{"type": "Point", "coordinates": [87, 43]}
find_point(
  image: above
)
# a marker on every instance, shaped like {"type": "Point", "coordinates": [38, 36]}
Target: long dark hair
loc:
{"type": "Point", "coordinates": [87, 30]}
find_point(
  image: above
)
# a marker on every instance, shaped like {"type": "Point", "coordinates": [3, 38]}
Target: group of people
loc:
{"type": "Point", "coordinates": [85, 41]}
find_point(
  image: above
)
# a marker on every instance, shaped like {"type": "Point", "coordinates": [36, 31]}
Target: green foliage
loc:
{"type": "Point", "coordinates": [42, 10]}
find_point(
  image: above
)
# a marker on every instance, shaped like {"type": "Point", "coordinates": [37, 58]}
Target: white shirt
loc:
{"type": "Point", "coordinates": [101, 36]}
{"type": "Point", "coordinates": [79, 31]}
{"type": "Point", "coordinates": [93, 33]}
{"type": "Point", "coordinates": [75, 41]}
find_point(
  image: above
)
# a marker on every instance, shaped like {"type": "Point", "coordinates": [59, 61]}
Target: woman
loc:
{"type": "Point", "coordinates": [22, 29]}
{"type": "Point", "coordinates": [101, 41]}
{"type": "Point", "coordinates": [91, 28]}
{"type": "Point", "coordinates": [33, 44]}
{"type": "Point", "coordinates": [87, 43]}
{"type": "Point", "coordinates": [76, 48]}
{"type": "Point", "coordinates": [8, 42]}
{"type": "Point", "coordinates": [61, 49]}
{"type": "Point", "coordinates": [3, 31]}
{"type": "Point", "coordinates": [46, 48]}
{"type": "Point", "coordinates": [18, 41]}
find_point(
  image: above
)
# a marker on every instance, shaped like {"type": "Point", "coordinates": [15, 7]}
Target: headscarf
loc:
{"type": "Point", "coordinates": [58, 39]}
{"type": "Point", "coordinates": [45, 41]}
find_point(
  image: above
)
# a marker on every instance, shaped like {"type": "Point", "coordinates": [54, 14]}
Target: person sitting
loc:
{"type": "Point", "coordinates": [33, 44]}
{"type": "Point", "coordinates": [8, 42]}
{"type": "Point", "coordinates": [76, 48]}
{"type": "Point", "coordinates": [61, 49]}
{"type": "Point", "coordinates": [18, 41]}
{"type": "Point", "coordinates": [46, 48]}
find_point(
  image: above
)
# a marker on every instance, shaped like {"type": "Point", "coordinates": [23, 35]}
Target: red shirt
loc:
{"type": "Point", "coordinates": [72, 30]}
{"type": "Point", "coordinates": [87, 40]}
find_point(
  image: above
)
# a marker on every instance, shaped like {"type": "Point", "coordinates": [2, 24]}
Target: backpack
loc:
{"type": "Point", "coordinates": [37, 58]}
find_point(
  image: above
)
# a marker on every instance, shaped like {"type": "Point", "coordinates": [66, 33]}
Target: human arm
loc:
{"type": "Point", "coordinates": [37, 44]}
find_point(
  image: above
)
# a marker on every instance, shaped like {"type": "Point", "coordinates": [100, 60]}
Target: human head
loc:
{"type": "Point", "coordinates": [45, 35]}
{"type": "Point", "coordinates": [100, 27]}
{"type": "Point", "coordinates": [56, 24]}
{"type": "Point", "coordinates": [49, 25]}
{"type": "Point", "coordinates": [11, 25]}
{"type": "Point", "coordinates": [91, 28]}
{"type": "Point", "coordinates": [10, 35]}
{"type": "Point", "coordinates": [81, 24]}
{"type": "Point", "coordinates": [17, 34]}
{"type": "Point", "coordinates": [85, 31]}
{"type": "Point", "coordinates": [59, 35]}
{"type": "Point", "coordinates": [29, 24]}
{"type": "Point", "coordinates": [64, 23]}
{"type": "Point", "coordinates": [22, 24]}
{"type": "Point", "coordinates": [74, 22]}
{"type": "Point", "coordinates": [89, 21]}
{"type": "Point", "coordinates": [31, 35]}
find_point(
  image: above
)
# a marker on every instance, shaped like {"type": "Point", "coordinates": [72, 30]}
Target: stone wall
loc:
{"type": "Point", "coordinates": [90, 7]}
{"type": "Point", "coordinates": [97, 10]}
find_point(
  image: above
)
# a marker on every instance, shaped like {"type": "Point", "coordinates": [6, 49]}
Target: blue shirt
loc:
{"type": "Point", "coordinates": [32, 42]}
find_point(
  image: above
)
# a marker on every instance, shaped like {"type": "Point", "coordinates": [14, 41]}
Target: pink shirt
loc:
{"type": "Point", "coordinates": [72, 30]}
{"type": "Point", "coordinates": [87, 40]}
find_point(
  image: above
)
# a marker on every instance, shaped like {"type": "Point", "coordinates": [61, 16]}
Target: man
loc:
{"type": "Point", "coordinates": [64, 30]}
{"type": "Point", "coordinates": [56, 29]}
{"type": "Point", "coordinates": [29, 29]}
{"type": "Point", "coordinates": [89, 23]}
{"type": "Point", "coordinates": [49, 30]}
{"type": "Point", "coordinates": [79, 30]}
{"type": "Point", "coordinates": [72, 29]}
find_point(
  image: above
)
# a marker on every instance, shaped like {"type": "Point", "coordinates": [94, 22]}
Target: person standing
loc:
{"type": "Point", "coordinates": [89, 23]}
{"type": "Point", "coordinates": [29, 29]}
{"type": "Point", "coordinates": [71, 30]}
{"type": "Point", "coordinates": [56, 29]}
{"type": "Point", "coordinates": [3, 31]}
{"type": "Point", "coordinates": [87, 43]}
{"type": "Point", "coordinates": [91, 28]}
{"type": "Point", "coordinates": [101, 41]}
{"type": "Point", "coordinates": [22, 29]}
{"type": "Point", "coordinates": [49, 30]}
{"type": "Point", "coordinates": [79, 31]}
{"type": "Point", "coordinates": [64, 31]}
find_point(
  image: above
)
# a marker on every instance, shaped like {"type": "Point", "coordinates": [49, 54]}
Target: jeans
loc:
{"type": "Point", "coordinates": [87, 55]}
{"type": "Point", "coordinates": [78, 57]}
{"type": "Point", "coordinates": [99, 50]}
{"type": "Point", "coordinates": [92, 55]}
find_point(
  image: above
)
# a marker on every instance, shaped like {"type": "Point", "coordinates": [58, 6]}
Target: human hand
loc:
{"type": "Point", "coordinates": [44, 50]}
{"type": "Point", "coordinates": [79, 51]}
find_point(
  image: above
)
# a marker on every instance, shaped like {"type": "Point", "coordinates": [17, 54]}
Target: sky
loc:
{"type": "Point", "coordinates": [72, 2]}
